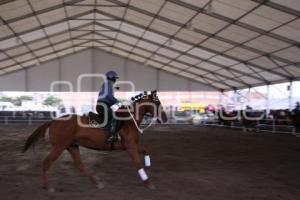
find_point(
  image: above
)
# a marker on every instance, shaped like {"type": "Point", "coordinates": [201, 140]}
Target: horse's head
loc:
{"type": "Point", "coordinates": [149, 103]}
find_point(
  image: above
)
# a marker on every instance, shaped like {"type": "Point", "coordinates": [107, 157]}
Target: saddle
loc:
{"type": "Point", "coordinates": [97, 121]}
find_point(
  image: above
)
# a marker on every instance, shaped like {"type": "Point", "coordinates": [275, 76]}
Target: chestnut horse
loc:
{"type": "Point", "coordinates": [71, 131]}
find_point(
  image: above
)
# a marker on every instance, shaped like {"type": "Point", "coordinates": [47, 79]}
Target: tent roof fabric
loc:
{"type": "Point", "coordinates": [226, 44]}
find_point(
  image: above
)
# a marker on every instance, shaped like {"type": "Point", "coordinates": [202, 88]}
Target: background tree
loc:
{"type": "Point", "coordinates": [7, 99]}
{"type": "Point", "coordinates": [18, 100]}
{"type": "Point", "coordinates": [52, 101]}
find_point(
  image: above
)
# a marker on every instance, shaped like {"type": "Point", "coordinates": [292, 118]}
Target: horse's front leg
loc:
{"type": "Point", "coordinates": [133, 150]}
{"type": "Point", "coordinates": [147, 159]}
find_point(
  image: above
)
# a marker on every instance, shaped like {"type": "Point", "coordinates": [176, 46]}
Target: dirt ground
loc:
{"type": "Point", "coordinates": [188, 163]}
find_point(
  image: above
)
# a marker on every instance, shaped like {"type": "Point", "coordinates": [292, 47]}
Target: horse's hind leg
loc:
{"type": "Point", "coordinates": [75, 153]}
{"type": "Point", "coordinates": [55, 152]}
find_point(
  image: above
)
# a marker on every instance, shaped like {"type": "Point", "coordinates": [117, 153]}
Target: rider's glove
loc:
{"type": "Point", "coordinates": [116, 106]}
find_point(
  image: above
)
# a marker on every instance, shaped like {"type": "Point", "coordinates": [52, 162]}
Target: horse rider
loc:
{"type": "Point", "coordinates": [105, 100]}
{"type": "Point", "coordinates": [297, 108]}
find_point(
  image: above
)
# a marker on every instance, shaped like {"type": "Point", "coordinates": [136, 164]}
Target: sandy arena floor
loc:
{"type": "Point", "coordinates": [188, 163]}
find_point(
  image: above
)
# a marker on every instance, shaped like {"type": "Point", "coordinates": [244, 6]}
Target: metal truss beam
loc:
{"type": "Point", "coordinates": [192, 44]}
{"type": "Point", "coordinates": [196, 30]}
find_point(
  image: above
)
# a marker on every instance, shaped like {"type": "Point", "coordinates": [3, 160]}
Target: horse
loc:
{"type": "Point", "coordinates": [71, 131]}
{"type": "Point", "coordinates": [250, 119]}
{"type": "Point", "coordinates": [295, 116]}
{"type": "Point", "coordinates": [227, 118]}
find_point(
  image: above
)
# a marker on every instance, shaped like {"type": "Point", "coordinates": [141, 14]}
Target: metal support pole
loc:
{"type": "Point", "coordinates": [221, 95]}
{"type": "Point", "coordinates": [249, 96]}
{"type": "Point", "coordinates": [26, 80]}
{"type": "Point", "coordinates": [93, 70]}
{"type": "Point", "coordinates": [291, 96]}
{"type": "Point", "coordinates": [158, 79]}
{"type": "Point", "coordinates": [125, 72]}
{"type": "Point", "coordinates": [268, 99]}
{"type": "Point", "coordinates": [60, 75]}
{"type": "Point", "coordinates": [235, 98]}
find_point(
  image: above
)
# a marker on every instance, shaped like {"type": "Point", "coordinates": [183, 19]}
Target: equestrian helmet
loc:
{"type": "Point", "coordinates": [111, 75]}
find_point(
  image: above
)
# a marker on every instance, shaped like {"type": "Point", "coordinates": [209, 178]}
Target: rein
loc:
{"type": "Point", "coordinates": [137, 127]}
{"type": "Point", "coordinates": [116, 106]}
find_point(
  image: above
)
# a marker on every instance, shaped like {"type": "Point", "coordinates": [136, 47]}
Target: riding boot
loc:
{"type": "Point", "coordinates": [113, 136]}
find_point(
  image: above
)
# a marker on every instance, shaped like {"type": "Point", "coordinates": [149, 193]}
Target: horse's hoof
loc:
{"type": "Point", "coordinates": [150, 186]}
{"type": "Point", "coordinates": [100, 186]}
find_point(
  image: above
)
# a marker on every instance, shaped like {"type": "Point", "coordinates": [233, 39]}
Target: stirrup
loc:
{"type": "Point", "coordinates": [94, 124]}
{"type": "Point", "coordinates": [113, 138]}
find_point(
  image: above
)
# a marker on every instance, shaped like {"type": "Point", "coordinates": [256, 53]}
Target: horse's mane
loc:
{"type": "Point", "coordinates": [140, 96]}
{"type": "Point", "coordinates": [135, 99]}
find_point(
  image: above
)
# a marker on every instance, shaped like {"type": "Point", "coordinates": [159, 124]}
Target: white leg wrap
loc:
{"type": "Point", "coordinates": [147, 161]}
{"type": "Point", "coordinates": [143, 174]}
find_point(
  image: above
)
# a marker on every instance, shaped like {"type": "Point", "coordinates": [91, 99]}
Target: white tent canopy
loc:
{"type": "Point", "coordinates": [227, 44]}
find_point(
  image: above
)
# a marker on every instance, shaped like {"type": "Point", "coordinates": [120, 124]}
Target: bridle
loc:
{"type": "Point", "coordinates": [155, 99]}
{"type": "Point", "coordinates": [136, 124]}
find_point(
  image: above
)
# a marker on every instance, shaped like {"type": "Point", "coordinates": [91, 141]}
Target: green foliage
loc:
{"type": "Point", "coordinates": [26, 98]}
{"type": "Point", "coordinates": [7, 99]}
{"type": "Point", "coordinates": [17, 100]}
{"type": "Point", "coordinates": [52, 101]}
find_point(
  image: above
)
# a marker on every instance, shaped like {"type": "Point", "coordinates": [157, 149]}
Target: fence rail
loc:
{"type": "Point", "coordinates": [25, 117]}
{"type": "Point", "coordinates": [266, 125]}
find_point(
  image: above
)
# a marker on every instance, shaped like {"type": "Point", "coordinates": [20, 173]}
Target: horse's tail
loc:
{"type": "Point", "coordinates": [37, 134]}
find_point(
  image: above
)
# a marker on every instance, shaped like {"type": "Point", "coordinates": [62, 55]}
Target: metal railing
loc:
{"type": "Point", "coordinates": [8, 120]}
{"type": "Point", "coordinates": [25, 117]}
{"type": "Point", "coordinates": [271, 125]}
{"type": "Point", "coordinates": [266, 125]}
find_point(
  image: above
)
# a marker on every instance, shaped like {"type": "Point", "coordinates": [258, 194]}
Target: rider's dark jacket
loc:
{"type": "Point", "coordinates": [106, 94]}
